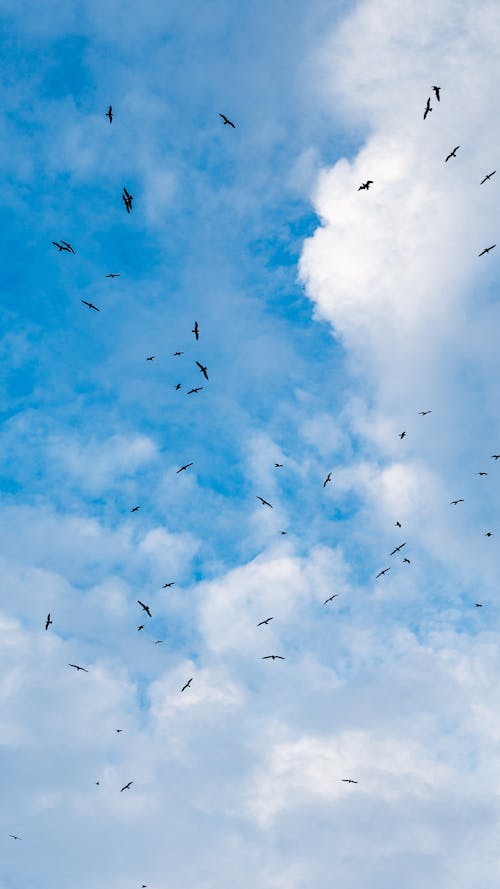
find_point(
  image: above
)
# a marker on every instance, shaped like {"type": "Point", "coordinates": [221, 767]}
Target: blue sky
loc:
{"type": "Point", "coordinates": [328, 319]}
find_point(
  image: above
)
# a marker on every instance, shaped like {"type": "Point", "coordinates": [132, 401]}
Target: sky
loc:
{"type": "Point", "coordinates": [329, 318]}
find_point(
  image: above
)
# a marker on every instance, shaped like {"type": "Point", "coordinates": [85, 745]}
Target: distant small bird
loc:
{"type": "Point", "coordinates": [144, 607]}
{"type": "Point", "coordinates": [126, 786]}
{"type": "Point", "coordinates": [331, 598]}
{"type": "Point", "coordinates": [397, 524]}
{"type": "Point", "coordinates": [183, 468]}
{"type": "Point", "coordinates": [97, 783]}
{"type": "Point", "coordinates": [227, 122]}
{"type": "Point", "coordinates": [112, 275]}
{"type": "Point", "coordinates": [196, 330]}
{"type": "Point", "coordinates": [283, 532]}
{"type": "Point", "coordinates": [48, 621]}
{"type": "Point", "coordinates": [165, 585]}
{"type": "Point", "coordinates": [203, 369]}
{"type": "Point", "coordinates": [196, 389]}
{"type": "Point", "coordinates": [118, 730]}
{"type": "Point", "coordinates": [266, 621]}
{"type": "Point", "coordinates": [274, 657]}
{"type": "Point", "coordinates": [456, 502]}
{"type": "Point", "coordinates": [489, 175]}
{"type": "Point", "coordinates": [327, 479]}
{"type": "Point", "coordinates": [424, 413]}
{"type": "Point", "coordinates": [264, 502]}
{"type": "Point", "coordinates": [402, 434]}
{"type": "Point", "coordinates": [140, 627]}
{"type": "Point", "coordinates": [407, 561]}
{"type": "Point", "coordinates": [76, 667]}
{"type": "Point", "coordinates": [381, 573]}
{"type": "Point", "coordinates": [495, 456]}
{"type": "Point", "coordinates": [178, 386]}
{"type": "Point", "coordinates": [187, 685]}
{"type": "Point", "coordinates": [488, 534]}
{"type": "Point", "coordinates": [486, 250]}
{"type": "Point", "coordinates": [177, 353]}
{"type": "Point", "coordinates": [14, 836]}
{"type": "Point", "coordinates": [366, 185]}
{"type": "Point", "coordinates": [63, 247]}
{"type": "Point", "coordinates": [349, 781]}
{"type": "Point", "coordinates": [427, 108]}
{"type": "Point", "coordinates": [452, 154]}
{"type": "Point", "coordinates": [159, 641]}
{"type": "Point", "coordinates": [437, 90]}
{"type": "Point", "coordinates": [127, 199]}
{"type": "Point", "coordinates": [90, 305]}
{"type": "Point", "coordinates": [479, 605]}
{"type": "Point", "coordinates": [109, 113]}
{"type": "Point", "coordinates": [481, 473]}
{"type": "Point", "coordinates": [135, 508]}
{"type": "Point", "coordinates": [278, 465]}
{"type": "Point", "coordinates": [151, 358]}
{"type": "Point", "coordinates": [398, 548]}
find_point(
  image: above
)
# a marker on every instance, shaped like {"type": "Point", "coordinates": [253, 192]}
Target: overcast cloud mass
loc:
{"type": "Point", "coordinates": [329, 319]}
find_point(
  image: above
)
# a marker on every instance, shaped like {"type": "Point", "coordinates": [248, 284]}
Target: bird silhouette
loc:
{"type": "Point", "coordinates": [135, 508]}
{"type": "Point", "coordinates": [227, 122]}
{"type": "Point", "coordinates": [331, 598]}
{"type": "Point", "coordinates": [397, 524]}
{"type": "Point", "coordinates": [427, 108]}
{"type": "Point", "coordinates": [126, 786]}
{"type": "Point", "coordinates": [177, 353]}
{"type": "Point", "coordinates": [183, 468]}
{"type": "Point", "coordinates": [112, 275]}
{"type": "Point", "coordinates": [349, 781]}
{"type": "Point", "coordinates": [479, 605]}
{"type": "Point", "coordinates": [140, 627]}
{"type": "Point", "coordinates": [151, 358]}
{"type": "Point", "coordinates": [481, 473]}
{"type": "Point", "coordinates": [203, 370]}
{"type": "Point", "coordinates": [456, 502]}
{"type": "Point", "coordinates": [327, 479]}
{"type": "Point", "coordinates": [118, 730]}
{"type": "Point", "coordinates": [381, 573]}
{"type": "Point", "coordinates": [452, 154]}
{"type": "Point", "coordinates": [14, 836]}
{"type": "Point", "coordinates": [407, 561]}
{"type": "Point", "coordinates": [398, 548]}
{"type": "Point", "coordinates": [488, 534]}
{"type": "Point", "coordinates": [178, 386]}
{"type": "Point", "coordinates": [109, 113]}
{"type": "Point", "coordinates": [273, 657]}
{"type": "Point", "coordinates": [402, 434]}
{"type": "Point", "coordinates": [90, 305]}
{"type": "Point", "coordinates": [266, 621]}
{"type": "Point", "coordinates": [278, 465]}
{"type": "Point", "coordinates": [187, 685]}
{"type": "Point", "coordinates": [48, 621]}
{"type": "Point", "coordinates": [495, 456]}
{"type": "Point", "coordinates": [437, 91]}
{"type": "Point", "coordinates": [486, 250]}
{"type": "Point", "coordinates": [127, 199]}
{"type": "Point", "coordinates": [166, 585]}
{"type": "Point", "coordinates": [196, 330]}
{"type": "Point", "coordinates": [424, 413]}
{"type": "Point", "coordinates": [488, 176]}
{"type": "Point", "coordinates": [63, 247]}
{"type": "Point", "coordinates": [76, 667]}
{"type": "Point", "coordinates": [196, 389]}
{"type": "Point", "coordinates": [144, 607]}
{"type": "Point", "coordinates": [365, 186]}
{"type": "Point", "coordinates": [264, 502]}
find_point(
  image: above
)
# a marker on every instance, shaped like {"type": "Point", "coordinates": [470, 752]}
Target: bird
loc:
{"type": "Point", "coordinates": [48, 621]}
{"type": "Point", "coordinates": [349, 781]}
{"type": "Point", "coordinates": [203, 369]}
{"type": "Point", "coordinates": [90, 305]}
{"type": "Point", "coordinates": [398, 548]}
{"type": "Point", "coordinates": [78, 668]}
{"type": "Point", "coordinates": [135, 508]}
{"type": "Point", "coordinates": [183, 468]}
{"type": "Point", "coordinates": [159, 641]}
{"type": "Point", "coordinates": [424, 413]}
{"type": "Point", "coordinates": [327, 479]}
{"type": "Point", "coordinates": [140, 627]}
{"type": "Point", "coordinates": [196, 330]}
{"type": "Point", "coordinates": [63, 246]}
{"type": "Point", "coordinates": [150, 357]}
{"type": "Point", "coordinates": [402, 434]}
{"type": "Point", "coordinates": [264, 502]}
{"type": "Point", "coordinates": [266, 621]}
{"type": "Point", "coordinates": [14, 836]}
{"type": "Point", "coordinates": [165, 585]}
{"type": "Point", "coordinates": [127, 199]}
{"type": "Point", "coordinates": [381, 573]}
{"type": "Point", "coordinates": [495, 456]}
{"type": "Point", "coordinates": [407, 561]}
{"type": "Point", "coordinates": [481, 473]}
{"type": "Point", "coordinates": [227, 122]}
{"type": "Point", "coordinates": [118, 730]}
{"type": "Point", "coordinates": [278, 465]}
{"type": "Point", "coordinates": [479, 605]}
{"type": "Point", "coordinates": [488, 534]}
{"type": "Point", "coordinates": [283, 532]}
{"type": "Point", "coordinates": [274, 657]}
{"type": "Point", "coordinates": [126, 786]}
{"type": "Point", "coordinates": [397, 524]}
{"type": "Point", "coordinates": [178, 386]}
{"type": "Point", "coordinates": [187, 685]}
{"type": "Point", "coordinates": [177, 353]}
{"type": "Point", "coordinates": [196, 389]}
{"type": "Point", "coordinates": [112, 275]}
{"type": "Point", "coordinates": [109, 113]}
{"type": "Point", "coordinates": [365, 186]}
{"type": "Point", "coordinates": [488, 176]}
{"type": "Point", "coordinates": [437, 90]}
{"type": "Point", "coordinates": [486, 250]}
{"type": "Point", "coordinates": [427, 108]}
{"type": "Point", "coordinates": [452, 154]}
{"type": "Point", "coordinates": [331, 598]}
{"type": "Point", "coordinates": [144, 607]}
{"type": "Point", "coordinates": [455, 502]}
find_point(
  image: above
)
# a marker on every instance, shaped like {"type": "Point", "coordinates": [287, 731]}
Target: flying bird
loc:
{"type": "Point", "coordinates": [63, 246]}
{"type": "Point", "coordinates": [264, 502]}
{"type": "Point", "coordinates": [366, 185]}
{"type": "Point", "coordinates": [14, 836]}
{"type": "Point", "coordinates": [397, 524]}
{"type": "Point", "coordinates": [278, 465]}
{"type": "Point", "coordinates": [488, 176]}
{"type": "Point", "coordinates": [112, 275]}
{"type": "Point", "coordinates": [48, 621]}
{"type": "Point", "coordinates": [118, 730]}
{"type": "Point", "coordinates": [127, 199]}
{"type": "Point", "coordinates": [78, 668]}
{"type": "Point", "coordinates": [227, 122]}
{"type": "Point", "coordinates": [481, 473]}
{"type": "Point", "coordinates": [135, 508]}
{"type": "Point", "coordinates": [140, 627]}
{"type": "Point", "coordinates": [488, 534]}
{"type": "Point", "coordinates": [402, 434]}
{"type": "Point", "coordinates": [165, 585]}
{"type": "Point", "coordinates": [203, 369]}
{"type": "Point", "coordinates": [159, 641]}
{"type": "Point", "coordinates": [495, 456]}
{"type": "Point", "coordinates": [183, 468]}
{"type": "Point", "coordinates": [486, 250]}
{"type": "Point", "coordinates": [327, 479]}
{"type": "Point", "coordinates": [144, 607]}
{"type": "Point", "coordinates": [407, 561]}
{"type": "Point", "coordinates": [349, 781]}
{"type": "Point", "coordinates": [455, 502]}
{"type": "Point", "coordinates": [177, 353]}
{"type": "Point", "coordinates": [398, 548]}
{"type": "Point", "coordinates": [126, 786]}
{"type": "Point", "coordinates": [479, 605]}
{"type": "Point", "coordinates": [274, 657]}
{"type": "Point", "coordinates": [187, 685]}
{"type": "Point", "coordinates": [381, 573]}
{"type": "Point", "coordinates": [427, 108]}
{"type": "Point", "coordinates": [109, 113]}
{"type": "Point", "coordinates": [424, 413]}
{"type": "Point", "coordinates": [331, 598]}
{"type": "Point", "coordinates": [452, 154]}
{"type": "Point", "coordinates": [196, 389]}
{"type": "Point", "coordinates": [178, 386]}
{"type": "Point", "coordinates": [150, 357]}
{"type": "Point", "coordinates": [266, 621]}
{"type": "Point", "coordinates": [196, 330]}
{"type": "Point", "coordinates": [437, 90]}
{"type": "Point", "coordinates": [90, 305]}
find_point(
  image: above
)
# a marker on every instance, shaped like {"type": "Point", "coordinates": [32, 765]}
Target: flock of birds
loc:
{"type": "Point", "coordinates": [66, 247]}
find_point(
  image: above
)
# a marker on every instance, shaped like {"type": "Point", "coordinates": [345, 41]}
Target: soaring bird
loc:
{"type": "Point", "coordinates": [227, 122]}
{"type": "Point", "coordinates": [349, 781]}
{"type": "Point", "coordinates": [183, 468]}
{"type": "Point", "coordinates": [278, 465]}
{"type": "Point", "coordinates": [488, 534]}
{"type": "Point", "coordinates": [398, 548]}
{"type": "Point", "coordinates": [63, 246]}
{"type": "Point", "coordinates": [159, 641]}
{"type": "Point", "coordinates": [126, 786]}
{"type": "Point", "coordinates": [266, 621]}
{"type": "Point", "coordinates": [407, 561]}
{"type": "Point", "coordinates": [135, 508]}
{"type": "Point", "coordinates": [479, 605]}
{"type": "Point", "coordinates": [203, 369]}
{"type": "Point", "coordinates": [452, 154]}
{"type": "Point", "coordinates": [402, 434]}
{"type": "Point", "coordinates": [327, 479]}
{"type": "Point", "coordinates": [140, 627]}
{"type": "Point", "coordinates": [381, 573]}
{"type": "Point", "coordinates": [118, 730]}
{"type": "Point", "coordinates": [14, 836]}
{"type": "Point", "coordinates": [196, 330]}
{"type": "Point", "coordinates": [424, 413]}
{"type": "Point", "coordinates": [495, 456]}
{"type": "Point", "coordinates": [166, 585]}
{"type": "Point", "coordinates": [144, 607]}
{"type": "Point", "coordinates": [365, 185]}
{"type": "Point", "coordinates": [481, 473]}
{"type": "Point", "coordinates": [331, 598]}
{"type": "Point", "coordinates": [264, 502]}
{"type": "Point", "coordinates": [178, 386]}
{"type": "Point", "coordinates": [397, 524]}
{"type": "Point", "coordinates": [90, 305]}
{"type": "Point", "coordinates": [113, 275]}
{"type": "Point", "coordinates": [48, 621]}
{"type": "Point", "coordinates": [456, 502]}
{"type": "Point", "coordinates": [109, 113]}
{"type": "Point", "coordinates": [486, 250]}
{"type": "Point", "coordinates": [488, 176]}
{"type": "Point", "coordinates": [127, 199]}
{"type": "Point", "coordinates": [196, 389]}
{"type": "Point", "coordinates": [427, 108]}
{"type": "Point", "coordinates": [273, 657]}
{"type": "Point", "coordinates": [187, 685]}
{"type": "Point", "coordinates": [437, 90]}
{"type": "Point", "coordinates": [150, 357]}
{"type": "Point", "coordinates": [177, 353]}
{"type": "Point", "coordinates": [78, 668]}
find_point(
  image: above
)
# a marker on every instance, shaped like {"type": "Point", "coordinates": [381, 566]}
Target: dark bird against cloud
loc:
{"type": "Point", "coordinates": [264, 502]}
{"type": "Point", "coordinates": [452, 154]}
{"type": "Point", "coordinates": [144, 607]}
{"type": "Point", "coordinates": [488, 176]}
{"type": "Point", "coordinates": [90, 305]}
{"type": "Point", "coordinates": [109, 114]}
{"type": "Point", "coordinates": [227, 122]}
